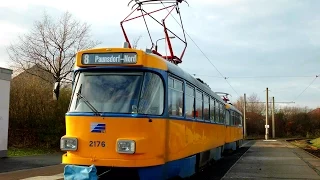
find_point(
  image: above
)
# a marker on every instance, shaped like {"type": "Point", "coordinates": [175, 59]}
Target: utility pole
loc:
{"type": "Point", "coordinates": [266, 135]}
{"type": "Point", "coordinates": [273, 125]}
{"type": "Point", "coordinates": [244, 116]}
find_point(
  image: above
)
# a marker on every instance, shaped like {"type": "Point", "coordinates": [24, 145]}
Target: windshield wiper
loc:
{"type": "Point", "coordinates": [85, 100]}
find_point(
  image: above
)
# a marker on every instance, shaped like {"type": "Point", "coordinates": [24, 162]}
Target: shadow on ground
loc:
{"type": "Point", "coordinates": [219, 168]}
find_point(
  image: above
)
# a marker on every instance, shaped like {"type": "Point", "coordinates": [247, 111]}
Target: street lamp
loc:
{"type": "Point", "coordinates": [171, 37]}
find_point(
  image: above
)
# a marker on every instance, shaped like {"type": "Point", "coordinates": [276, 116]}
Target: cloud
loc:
{"type": "Point", "coordinates": [10, 30]}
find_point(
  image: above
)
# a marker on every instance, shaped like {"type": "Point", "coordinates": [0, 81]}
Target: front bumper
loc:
{"type": "Point", "coordinates": [71, 159]}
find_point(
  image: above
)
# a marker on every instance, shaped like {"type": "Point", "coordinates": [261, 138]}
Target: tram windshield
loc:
{"type": "Point", "coordinates": [140, 92]}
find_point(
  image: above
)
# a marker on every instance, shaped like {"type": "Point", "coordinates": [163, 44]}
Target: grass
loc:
{"type": "Point", "coordinates": [300, 143]}
{"type": "Point", "coordinates": [16, 152]}
{"type": "Point", "coordinates": [309, 146]}
{"type": "Point", "coordinates": [315, 142]}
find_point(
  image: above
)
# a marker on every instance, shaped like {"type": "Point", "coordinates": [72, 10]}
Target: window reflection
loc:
{"type": "Point", "coordinates": [152, 95]}
{"type": "Point", "coordinates": [212, 111]}
{"type": "Point", "coordinates": [199, 104]}
{"type": "Point", "coordinates": [175, 97]}
{"type": "Point", "coordinates": [206, 108]}
{"type": "Point", "coordinates": [119, 93]}
{"type": "Point", "coordinates": [189, 101]}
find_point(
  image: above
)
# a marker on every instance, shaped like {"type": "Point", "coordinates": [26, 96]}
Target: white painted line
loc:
{"type": "Point", "coordinates": [270, 140]}
{"type": "Point", "coordinates": [245, 144]}
{"type": "Point", "coordinates": [53, 177]}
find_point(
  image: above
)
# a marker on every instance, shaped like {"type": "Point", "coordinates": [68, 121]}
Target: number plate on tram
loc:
{"type": "Point", "coordinates": [97, 144]}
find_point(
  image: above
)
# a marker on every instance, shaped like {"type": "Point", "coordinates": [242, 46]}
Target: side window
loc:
{"type": "Point", "coordinates": [170, 82]}
{"type": "Point", "coordinates": [222, 113]}
{"type": "Point", "coordinates": [236, 117]}
{"type": "Point", "coordinates": [212, 113]}
{"type": "Point", "coordinates": [189, 101]}
{"type": "Point", "coordinates": [199, 105]}
{"type": "Point", "coordinates": [206, 101]}
{"type": "Point", "coordinates": [175, 97]}
{"type": "Point", "coordinates": [227, 117]}
{"type": "Point", "coordinates": [232, 119]}
{"type": "Point", "coordinates": [152, 95]}
{"type": "Point", "coordinates": [216, 107]}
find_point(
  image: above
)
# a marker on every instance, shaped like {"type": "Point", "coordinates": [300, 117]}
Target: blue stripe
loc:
{"type": "Point", "coordinates": [145, 116]}
{"type": "Point", "coordinates": [96, 124]}
{"type": "Point", "coordinates": [98, 131]}
{"type": "Point", "coordinates": [99, 128]}
{"type": "Point", "coordinates": [183, 167]}
{"type": "Point", "coordinates": [113, 115]}
{"type": "Point", "coordinates": [101, 125]}
{"type": "Point", "coordinates": [120, 68]}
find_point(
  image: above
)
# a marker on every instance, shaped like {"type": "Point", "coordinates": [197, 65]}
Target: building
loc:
{"type": "Point", "coordinates": [5, 80]}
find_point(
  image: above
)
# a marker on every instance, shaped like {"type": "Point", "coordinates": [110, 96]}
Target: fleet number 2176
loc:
{"type": "Point", "coordinates": [97, 144]}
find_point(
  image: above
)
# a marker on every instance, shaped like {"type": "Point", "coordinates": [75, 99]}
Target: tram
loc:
{"type": "Point", "coordinates": [137, 113]}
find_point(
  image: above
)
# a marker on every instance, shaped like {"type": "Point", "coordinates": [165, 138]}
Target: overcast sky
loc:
{"type": "Point", "coordinates": [246, 40]}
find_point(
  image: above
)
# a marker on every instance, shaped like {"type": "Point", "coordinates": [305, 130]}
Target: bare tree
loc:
{"type": "Point", "coordinates": [239, 104]}
{"type": "Point", "coordinates": [254, 105]}
{"type": "Point", "coordinates": [51, 46]}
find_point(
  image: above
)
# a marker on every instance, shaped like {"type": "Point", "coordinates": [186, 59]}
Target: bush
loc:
{"type": "Point", "coordinates": [35, 119]}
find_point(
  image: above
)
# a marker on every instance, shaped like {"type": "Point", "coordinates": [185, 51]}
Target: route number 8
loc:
{"type": "Point", "coordinates": [86, 58]}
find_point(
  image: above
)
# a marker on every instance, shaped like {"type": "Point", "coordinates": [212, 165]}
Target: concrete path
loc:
{"type": "Point", "coordinates": [275, 160]}
{"type": "Point", "coordinates": [54, 172]}
{"type": "Point", "coordinates": [28, 162]}
{"type": "Point", "coordinates": [38, 167]}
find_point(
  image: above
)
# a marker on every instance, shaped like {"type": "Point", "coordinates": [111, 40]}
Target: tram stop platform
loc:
{"type": "Point", "coordinates": [274, 159]}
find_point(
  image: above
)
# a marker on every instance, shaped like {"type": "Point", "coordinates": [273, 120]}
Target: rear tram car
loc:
{"type": "Point", "coordinates": [135, 113]}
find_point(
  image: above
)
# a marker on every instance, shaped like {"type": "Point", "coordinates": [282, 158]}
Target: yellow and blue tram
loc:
{"type": "Point", "coordinates": [134, 112]}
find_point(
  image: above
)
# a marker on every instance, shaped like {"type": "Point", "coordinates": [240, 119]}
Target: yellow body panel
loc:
{"type": "Point", "coordinates": [149, 138]}
{"type": "Point", "coordinates": [144, 59]}
{"type": "Point", "coordinates": [191, 137]}
{"type": "Point", "coordinates": [157, 142]}
{"type": "Point", "coordinates": [233, 133]}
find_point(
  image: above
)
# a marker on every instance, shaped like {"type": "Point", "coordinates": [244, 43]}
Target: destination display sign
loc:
{"type": "Point", "coordinates": [109, 58]}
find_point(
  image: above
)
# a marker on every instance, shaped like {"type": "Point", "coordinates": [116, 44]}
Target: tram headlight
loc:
{"type": "Point", "coordinates": [68, 144]}
{"type": "Point", "coordinates": [126, 146]}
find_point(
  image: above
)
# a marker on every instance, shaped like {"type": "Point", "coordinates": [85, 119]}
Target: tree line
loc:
{"type": "Point", "coordinates": [289, 121]}
{"type": "Point", "coordinates": [35, 120]}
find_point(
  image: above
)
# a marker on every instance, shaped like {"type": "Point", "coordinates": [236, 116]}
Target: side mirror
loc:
{"type": "Point", "coordinates": [56, 90]}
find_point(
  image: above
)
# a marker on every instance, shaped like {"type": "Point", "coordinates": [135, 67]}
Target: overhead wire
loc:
{"type": "Point", "coordinates": [207, 76]}
{"type": "Point", "coordinates": [248, 77]}
{"type": "Point", "coordinates": [204, 54]}
{"type": "Point", "coordinates": [306, 88]}
{"type": "Point", "coordinates": [225, 78]}
{"type": "Point", "coordinates": [271, 77]}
